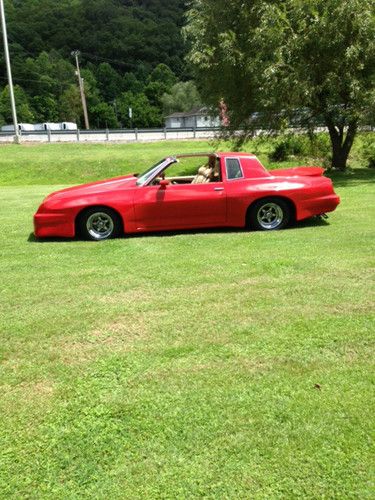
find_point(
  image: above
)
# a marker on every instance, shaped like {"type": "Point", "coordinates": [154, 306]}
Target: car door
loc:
{"type": "Point", "coordinates": [179, 206]}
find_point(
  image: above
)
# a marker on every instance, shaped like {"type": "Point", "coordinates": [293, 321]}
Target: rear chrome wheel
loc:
{"type": "Point", "coordinates": [269, 214]}
{"type": "Point", "coordinates": [99, 224]}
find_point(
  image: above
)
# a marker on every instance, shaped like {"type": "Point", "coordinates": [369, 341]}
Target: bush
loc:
{"type": "Point", "coordinates": [280, 152]}
{"type": "Point", "coordinates": [320, 146]}
{"type": "Point", "coordinates": [315, 146]}
{"type": "Point", "coordinates": [368, 150]}
{"type": "Point", "coordinates": [288, 146]}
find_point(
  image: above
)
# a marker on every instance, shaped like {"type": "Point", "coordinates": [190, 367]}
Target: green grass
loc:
{"type": "Point", "coordinates": [75, 163]}
{"type": "Point", "coordinates": [183, 365]}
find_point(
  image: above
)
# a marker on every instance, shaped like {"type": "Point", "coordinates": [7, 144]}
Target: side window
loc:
{"type": "Point", "coordinates": [234, 170]}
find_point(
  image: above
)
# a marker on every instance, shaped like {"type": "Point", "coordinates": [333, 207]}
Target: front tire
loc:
{"type": "Point", "coordinates": [98, 224]}
{"type": "Point", "coordinates": [269, 214]}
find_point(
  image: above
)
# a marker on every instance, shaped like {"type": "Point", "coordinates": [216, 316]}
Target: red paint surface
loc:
{"type": "Point", "coordinates": [185, 206]}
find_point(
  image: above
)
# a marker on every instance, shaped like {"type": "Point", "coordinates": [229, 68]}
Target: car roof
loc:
{"type": "Point", "coordinates": [236, 153]}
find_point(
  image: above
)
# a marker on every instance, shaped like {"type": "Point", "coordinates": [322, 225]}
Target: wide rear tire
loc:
{"type": "Point", "coordinates": [269, 214]}
{"type": "Point", "coordinates": [98, 224]}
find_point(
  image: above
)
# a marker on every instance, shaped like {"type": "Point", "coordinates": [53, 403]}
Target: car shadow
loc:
{"type": "Point", "coordinates": [313, 222]}
{"type": "Point", "coordinates": [33, 239]}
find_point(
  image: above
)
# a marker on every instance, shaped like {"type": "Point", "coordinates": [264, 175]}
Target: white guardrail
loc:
{"type": "Point", "coordinates": [133, 135]}
{"type": "Point", "coordinates": [122, 135]}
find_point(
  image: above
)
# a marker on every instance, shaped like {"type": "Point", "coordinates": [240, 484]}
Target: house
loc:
{"type": "Point", "coordinates": [196, 118]}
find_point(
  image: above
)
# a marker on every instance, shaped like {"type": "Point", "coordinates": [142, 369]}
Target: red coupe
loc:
{"type": "Point", "coordinates": [225, 190]}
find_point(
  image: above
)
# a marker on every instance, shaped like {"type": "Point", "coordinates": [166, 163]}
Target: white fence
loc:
{"type": "Point", "coordinates": [125, 135]}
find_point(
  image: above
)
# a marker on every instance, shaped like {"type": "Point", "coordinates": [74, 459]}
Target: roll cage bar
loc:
{"type": "Point", "coordinates": [174, 159]}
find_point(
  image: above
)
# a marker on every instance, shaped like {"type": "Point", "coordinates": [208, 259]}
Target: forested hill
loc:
{"type": "Point", "coordinates": [127, 32]}
{"type": "Point", "coordinates": [121, 44]}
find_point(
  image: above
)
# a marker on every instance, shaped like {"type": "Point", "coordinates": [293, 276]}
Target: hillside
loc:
{"type": "Point", "coordinates": [121, 43]}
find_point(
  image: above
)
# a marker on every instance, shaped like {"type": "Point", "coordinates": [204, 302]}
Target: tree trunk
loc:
{"type": "Point", "coordinates": [341, 145]}
{"type": "Point", "coordinates": [339, 156]}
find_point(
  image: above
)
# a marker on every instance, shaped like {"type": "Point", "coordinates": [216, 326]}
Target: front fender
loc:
{"type": "Point", "coordinates": [57, 216]}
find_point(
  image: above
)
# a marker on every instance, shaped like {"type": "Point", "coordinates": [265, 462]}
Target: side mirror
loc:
{"type": "Point", "coordinates": [163, 183]}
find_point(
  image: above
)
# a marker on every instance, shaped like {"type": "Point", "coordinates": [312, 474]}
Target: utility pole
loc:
{"type": "Point", "coordinates": [75, 54]}
{"type": "Point", "coordinates": [9, 71]}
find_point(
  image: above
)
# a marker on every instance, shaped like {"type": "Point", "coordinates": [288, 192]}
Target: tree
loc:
{"type": "Point", "coordinates": [154, 92]}
{"type": "Point", "coordinates": [91, 88]}
{"type": "Point", "coordinates": [163, 74]}
{"type": "Point", "coordinates": [125, 46]}
{"type": "Point", "coordinates": [70, 105]}
{"type": "Point", "coordinates": [144, 114]}
{"type": "Point", "coordinates": [279, 57]}
{"type": "Point", "coordinates": [130, 83]}
{"type": "Point", "coordinates": [44, 79]}
{"type": "Point", "coordinates": [124, 33]}
{"type": "Point", "coordinates": [24, 112]}
{"type": "Point", "coordinates": [109, 81]}
{"type": "Point", "coordinates": [45, 108]}
{"type": "Point", "coordinates": [103, 116]}
{"type": "Point", "coordinates": [183, 96]}
{"type": "Point", "coordinates": [46, 74]}
{"type": "Point", "coordinates": [160, 81]}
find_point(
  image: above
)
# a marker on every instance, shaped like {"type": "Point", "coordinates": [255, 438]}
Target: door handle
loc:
{"type": "Point", "coordinates": [218, 189]}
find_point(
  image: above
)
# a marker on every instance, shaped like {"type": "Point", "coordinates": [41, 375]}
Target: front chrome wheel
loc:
{"type": "Point", "coordinates": [100, 225]}
{"type": "Point", "coordinates": [270, 216]}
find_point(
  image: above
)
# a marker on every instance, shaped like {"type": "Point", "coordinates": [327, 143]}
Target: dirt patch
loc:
{"type": "Point", "coordinates": [190, 368]}
{"type": "Point", "coordinates": [121, 335]}
{"type": "Point", "coordinates": [128, 297]}
{"type": "Point", "coordinates": [29, 391]}
{"type": "Point", "coordinates": [349, 307]}
{"type": "Point", "coordinates": [121, 331]}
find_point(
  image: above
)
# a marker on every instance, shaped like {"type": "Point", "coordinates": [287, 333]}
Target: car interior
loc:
{"type": "Point", "coordinates": [191, 170]}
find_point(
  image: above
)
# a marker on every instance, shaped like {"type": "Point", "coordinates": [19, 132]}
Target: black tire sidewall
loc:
{"type": "Point", "coordinates": [82, 220]}
{"type": "Point", "coordinates": [252, 221]}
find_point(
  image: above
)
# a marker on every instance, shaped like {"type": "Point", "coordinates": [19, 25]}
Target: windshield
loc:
{"type": "Point", "coordinates": [143, 178]}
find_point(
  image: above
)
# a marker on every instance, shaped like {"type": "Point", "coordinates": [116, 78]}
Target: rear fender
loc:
{"type": "Point", "coordinates": [291, 204]}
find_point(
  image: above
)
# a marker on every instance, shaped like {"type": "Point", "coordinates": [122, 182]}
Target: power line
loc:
{"type": "Point", "coordinates": [87, 54]}
{"type": "Point", "coordinates": [106, 59]}
{"type": "Point", "coordinates": [13, 41]}
{"type": "Point", "coordinates": [28, 70]}
{"type": "Point", "coordinates": [31, 80]}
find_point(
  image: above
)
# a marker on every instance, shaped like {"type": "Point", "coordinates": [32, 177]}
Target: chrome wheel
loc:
{"type": "Point", "coordinates": [270, 215]}
{"type": "Point", "coordinates": [100, 225]}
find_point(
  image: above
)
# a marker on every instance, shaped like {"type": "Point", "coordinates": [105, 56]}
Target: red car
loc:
{"type": "Point", "coordinates": [226, 190]}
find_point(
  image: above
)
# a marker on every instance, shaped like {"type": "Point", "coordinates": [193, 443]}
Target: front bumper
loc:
{"type": "Point", "coordinates": [52, 225]}
{"type": "Point", "coordinates": [316, 206]}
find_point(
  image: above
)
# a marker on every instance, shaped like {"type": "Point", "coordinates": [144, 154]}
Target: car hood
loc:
{"type": "Point", "coordinates": [123, 182]}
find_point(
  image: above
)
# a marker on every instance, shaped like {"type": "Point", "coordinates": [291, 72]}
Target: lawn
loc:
{"type": "Point", "coordinates": [210, 364]}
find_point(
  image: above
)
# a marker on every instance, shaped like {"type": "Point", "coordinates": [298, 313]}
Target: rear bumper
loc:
{"type": "Point", "coordinates": [317, 206]}
{"type": "Point", "coordinates": [52, 225]}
